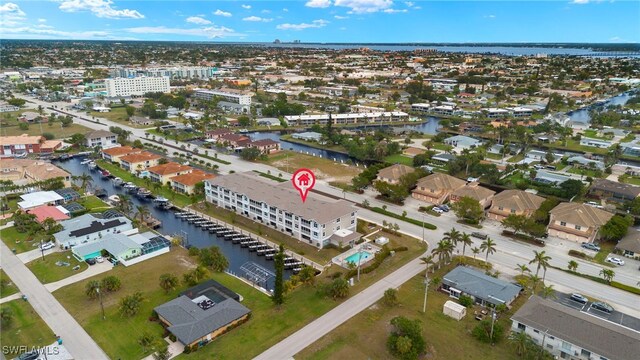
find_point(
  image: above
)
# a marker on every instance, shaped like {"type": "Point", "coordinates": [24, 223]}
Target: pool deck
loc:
{"type": "Point", "coordinates": [367, 246]}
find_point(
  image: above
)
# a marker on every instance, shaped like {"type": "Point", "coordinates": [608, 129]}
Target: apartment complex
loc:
{"type": "Point", "coordinates": [319, 221]}
{"type": "Point", "coordinates": [352, 118]}
{"type": "Point", "coordinates": [136, 86]}
{"type": "Point", "coordinates": [25, 144]}
{"type": "Point", "coordinates": [577, 222]}
{"type": "Point", "coordinates": [101, 138]}
{"type": "Point", "coordinates": [174, 72]}
{"type": "Point", "coordinates": [24, 171]}
{"type": "Point", "coordinates": [231, 96]}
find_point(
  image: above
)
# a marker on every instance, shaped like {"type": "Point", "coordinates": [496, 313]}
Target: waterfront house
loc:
{"type": "Point", "coordinates": [115, 153]}
{"type": "Point", "coordinates": [598, 143]}
{"type": "Point", "coordinates": [583, 162]}
{"type": "Point", "coordinates": [393, 173]}
{"type": "Point", "coordinates": [513, 202]}
{"type": "Point", "coordinates": [475, 191]}
{"type": "Point", "coordinates": [101, 138]}
{"type": "Point", "coordinates": [25, 144]}
{"type": "Point", "coordinates": [39, 198]}
{"type": "Point", "coordinates": [136, 163]}
{"type": "Point", "coordinates": [546, 177]}
{"type": "Point", "coordinates": [217, 133]}
{"type": "Point", "coordinates": [436, 188]}
{"type": "Point", "coordinates": [485, 290]}
{"type": "Point", "coordinates": [576, 222]}
{"type": "Point", "coordinates": [25, 171]}
{"type": "Point", "coordinates": [233, 140]}
{"type": "Point", "coordinates": [265, 146]}
{"type": "Point", "coordinates": [185, 183]}
{"type": "Point", "coordinates": [88, 228]}
{"type": "Point", "coordinates": [307, 136]}
{"type": "Point", "coordinates": [631, 148]}
{"type": "Point", "coordinates": [613, 190]}
{"type": "Point", "coordinates": [163, 173]}
{"type": "Point", "coordinates": [462, 142]}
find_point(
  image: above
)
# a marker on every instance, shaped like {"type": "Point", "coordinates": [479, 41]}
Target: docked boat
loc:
{"type": "Point", "coordinates": [85, 162]}
{"type": "Point", "coordinates": [130, 187]}
{"type": "Point", "coordinates": [143, 193]}
{"type": "Point", "coordinates": [92, 165]}
{"type": "Point", "coordinates": [99, 192]}
{"type": "Point", "coordinates": [243, 131]}
{"type": "Point", "coordinates": [162, 203]}
{"type": "Point", "coordinates": [118, 182]}
{"type": "Point", "coordinates": [64, 157]}
{"type": "Point", "coordinates": [105, 173]}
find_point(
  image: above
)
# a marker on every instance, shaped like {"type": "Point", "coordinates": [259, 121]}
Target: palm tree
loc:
{"type": "Point", "coordinates": [465, 239]}
{"type": "Point", "coordinates": [85, 181]}
{"type": "Point", "coordinates": [488, 246]}
{"type": "Point", "coordinates": [124, 203]}
{"type": "Point", "coordinates": [548, 291]}
{"type": "Point", "coordinates": [542, 259]}
{"type": "Point", "coordinates": [142, 212]}
{"type": "Point", "coordinates": [453, 236]}
{"type": "Point", "coordinates": [428, 262]}
{"type": "Point", "coordinates": [607, 274]}
{"type": "Point", "coordinates": [523, 268]}
{"type": "Point", "coordinates": [475, 252]}
{"type": "Point", "coordinates": [573, 265]}
{"type": "Point", "coordinates": [533, 279]}
{"type": "Point", "coordinates": [443, 251]}
{"type": "Point", "coordinates": [521, 341]}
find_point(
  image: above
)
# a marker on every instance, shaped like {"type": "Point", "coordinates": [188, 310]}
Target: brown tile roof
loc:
{"type": "Point", "coordinates": [121, 150]}
{"type": "Point", "coordinates": [44, 171]}
{"type": "Point", "coordinates": [21, 139]}
{"type": "Point", "coordinates": [50, 144]}
{"type": "Point", "coordinates": [234, 137]}
{"type": "Point", "coordinates": [264, 142]}
{"type": "Point", "coordinates": [169, 168]}
{"type": "Point", "coordinates": [474, 191]}
{"type": "Point", "coordinates": [219, 132]}
{"type": "Point", "coordinates": [395, 172]}
{"type": "Point", "coordinates": [583, 330]}
{"type": "Point", "coordinates": [440, 181]}
{"type": "Point", "coordinates": [580, 214]}
{"type": "Point", "coordinates": [192, 178]}
{"type": "Point", "coordinates": [517, 200]}
{"type": "Point", "coordinates": [139, 157]}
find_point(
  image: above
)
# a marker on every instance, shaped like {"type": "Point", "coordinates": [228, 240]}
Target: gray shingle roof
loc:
{"type": "Point", "coordinates": [586, 331]}
{"type": "Point", "coordinates": [481, 286]}
{"type": "Point", "coordinates": [189, 322]}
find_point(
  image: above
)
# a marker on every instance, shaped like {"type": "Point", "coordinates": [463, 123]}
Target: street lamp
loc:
{"type": "Point", "coordinates": [426, 288]}
{"type": "Point", "coordinates": [42, 249]}
{"type": "Point", "coordinates": [101, 305]}
{"type": "Point", "coordinates": [359, 259]}
{"type": "Point", "coordinates": [423, 227]}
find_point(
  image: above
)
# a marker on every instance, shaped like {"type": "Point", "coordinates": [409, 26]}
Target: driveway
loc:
{"type": "Point", "coordinates": [75, 338]}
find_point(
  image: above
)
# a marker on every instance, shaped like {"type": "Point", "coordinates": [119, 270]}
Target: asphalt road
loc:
{"type": "Point", "coordinates": [74, 337]}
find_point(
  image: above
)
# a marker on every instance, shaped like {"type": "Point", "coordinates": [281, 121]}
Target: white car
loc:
{"type": "Point", "coordinates": [47, 246]}
{"type": "Point", "coordinates": [615, 260]}
{"type": "Point", "coordinates": [437, 210]}
{"type": "Point", "coordinates": [99, 259]}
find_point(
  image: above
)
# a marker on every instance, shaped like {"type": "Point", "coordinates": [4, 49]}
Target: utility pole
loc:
{"type": "Point", "coordinates": [493, 320]}
{"type": "Point", "coordinates": [42, 249]}
{"type": "Point", "coordinates": [101, 304]}
{"type": "Point", "coordinates": [426, 288]}
{"type": "Point", "coordinates": [423, 227]}
{"type": "Point", "coordinates": [544, 337]}
{"type": "Point", "coordinates": [359, 259]}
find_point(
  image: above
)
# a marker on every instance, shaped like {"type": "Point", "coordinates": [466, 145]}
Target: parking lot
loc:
{"type": "Point", "coordinates": [615, 316]}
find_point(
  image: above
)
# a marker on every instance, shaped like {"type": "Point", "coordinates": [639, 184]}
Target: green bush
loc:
{"type": "Point", "coordinates": [48, 136]}
{"type": "Point", "coordinates": [482, 331]}
{"type": "Point", "coordinates": [578, 254]}
{"type": "Point", "coordinates": [465, 301]}
{"type": "Point", "coordinates": [399, 217]}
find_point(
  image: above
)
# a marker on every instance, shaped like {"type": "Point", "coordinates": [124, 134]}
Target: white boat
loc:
{"type": "Point", "coordinates": [85, 162]}
{"type": "Point", "coordinates": [92, 165]}
{"type": "Point", "coordinates": [243, 131]}
{"type": "Point", "coordinates": [117, 181]}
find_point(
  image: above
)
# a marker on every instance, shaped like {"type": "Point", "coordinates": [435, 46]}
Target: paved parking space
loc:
{"type": "Point", "coordinates": [614, 317]}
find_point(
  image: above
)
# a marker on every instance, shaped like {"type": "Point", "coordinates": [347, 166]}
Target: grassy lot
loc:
{"type": "Point", "coordinates": [606, 248]}
{"type": "Point", "coordinates": [93, 204]}
{"type": "Point", "coordinates": [575, 146]}
{"type": "Point", "coordinates": [587, 172]}
{"type": "Point", "coordinates": [593, 134]}
{"type": "Point", "coordinates": [34, 129]}
{"type": "Point", "coordinates": [516, 158]}
{"type": "Point", "coordinates": [365, 335]}
{"type": "Point", "coordinates": [117, 335]}
{"type": "Point", "coordinates": [118, 115]}
{"type": "Point", "coordinates": [323, 168]}
{"type": "Point", "coordinates": [289, 138]}
{"type": "Point", "coordinates": [443, 147]}
{"type": "Point", "coordinates": [399, 159]}
{"type": "Point", "coordinates": [178, 199]}
{"type": "Point", "coordinates": [10, 288]}
{"type": "Point", "coordinates": [179, 135]}
{"type": "Point", "coordinates": [633, 180]}
{"type": "Point", "coordinates": [313, 253]}
{"type": "Point", "coordinates": [21, 242]}
{"type": "Point", "coordinates": [26, 329]}
{"type": "Point", "coordinates": [494, 156]}
{"type": "Point", "coordinates": [47, 271]}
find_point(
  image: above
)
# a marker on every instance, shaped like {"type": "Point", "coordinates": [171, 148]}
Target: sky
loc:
{"type": "Point", "coordinates": [338, 21]}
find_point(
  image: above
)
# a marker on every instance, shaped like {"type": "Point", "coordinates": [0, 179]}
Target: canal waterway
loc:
{"type": "Point", "coordinates": [583, 116]}
{"type": "Point", "coordinates": [171, 225]}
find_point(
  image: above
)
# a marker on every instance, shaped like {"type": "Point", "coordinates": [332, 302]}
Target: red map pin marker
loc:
{"type": "Point", "coordinates": [303, 180]}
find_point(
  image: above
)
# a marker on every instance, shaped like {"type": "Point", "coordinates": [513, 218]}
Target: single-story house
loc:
{"type": "Point", "coordinates": [568, 333]}
{"type": "Point", "coordinates": [630, 244]}
{"type": "Point", "coordinates": [613, 190]}
{"type": "Point", "coordinates": [88, 228]}
{"type": "Point", "coordinates": [43, 212]}
{"type": "Point", "coordinates": [537, 155]}
{"type": "Point", "coordinates": [39, 198]}
{"type": "Point", "coordinates": [474, 191]}
{"type": "Point", "coordinates": [603, 144]}
{"type": "Point", "coordinates": [513, 202]}
{"type": "Point", "coordinates": [546, 177]}
{"type": "Point", "coordinates": [436, 188]}
{"type": "Point", "coordinates": [581, 161]}
{"type": "Point", "coordinates": [412, 151]}
{"type": "Point", "coordinates": [393, 173]}
{"type": "Point", "coordinates": [268, 122]}
{"type": "Point", "coordinates": [462, 142]}
{"type": "Point", "coordinates": [139, 120]}
{"type": "Point", "coordinates": [201, 315]}
{"type": "Point", "coordinates": [308, 136]}
{"type": "Point", "coordinates": [443, 157]}
{"type": "Point", "coordinates": [483, 289]}
{"type": "Point", "coordinates": [119, 246]}
{"type": "Point", "coordinates": [576, 222]}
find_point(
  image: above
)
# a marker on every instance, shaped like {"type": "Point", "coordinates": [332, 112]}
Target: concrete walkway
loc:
{"type": "Point", "coordinates": [75, 338]}
{"type": "Point", "coordinates": [309, 334]}
{"type": "Point", "coordinates": [12, 297]}
{"type": "Point", "coordinates": [35, 254]}
{"type": "Point", "coordinates": [93, 270]}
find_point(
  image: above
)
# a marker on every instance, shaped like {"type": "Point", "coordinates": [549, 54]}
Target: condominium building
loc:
{"type": "Point", "coordinates": [174, 72]}
{"type": "Point", "coordinates": [136, 86]}
{"type": "Point", "coordinates": [25, 144]}
{"type": "Point", "coordinates": [352, 118]}
{"type": "Point", "coordinates": [318, 221]}
{"type": "Point", "coordinates": [228, 95]}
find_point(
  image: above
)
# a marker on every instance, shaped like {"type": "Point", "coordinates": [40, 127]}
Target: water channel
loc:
{"type": "Point", "coordinates": [583, 116]}
{"type": "Point", "coordinates": [171, 225]}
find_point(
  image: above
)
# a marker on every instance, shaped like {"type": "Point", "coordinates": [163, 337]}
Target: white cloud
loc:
{"type": "Point", "coordinates": [222, 13]}
{"type": "Point", "coordinates": [341, 17]}
{"type": "Point", "coordinates": [580, 2]}
{"type": "Point", "coordinates": [265, 11]}
{"type": "Point", "coordinates": [318, 3]}
{"type": "Point", "coordinates": [302, 26]}
{"type": "Point", "coordinates": [365, 6]}
{"type": "Point", "coordinates": [209, 32]}
{"type": "Point", "coordinates": [395, 11]}
{"type": "Point", "coordinates": [198, 20]}
{"type": "Point", "coordinates": [285, 10]}
{"type": "Point", "coordinates": [490, 16]}
{"type": "Point", "coordinates": [11, 15]}
{"type": "Point", "coordinates": [100, 8]}
{"type": "Point", "coordinates": [41, 20]}
{"type": "Point", "coordinates": [409, 3]}
{"type": "Point", "coordinates": [33, 32]}
{"type": "Point", "coordinates": [256, 19]}
{"type": "Point", "coordinates": [246, 6]}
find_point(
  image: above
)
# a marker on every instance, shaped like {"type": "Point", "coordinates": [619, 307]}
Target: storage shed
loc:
{"type": "Point", "coordinates": [454, 310]}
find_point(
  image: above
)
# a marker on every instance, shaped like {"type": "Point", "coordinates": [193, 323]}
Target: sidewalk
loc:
{"type": "Point", "coordinates": [35, 254]}
{"type": "Point", "coordinates": [93, 270]}
{"type": "Point", "coordinates": [15, 296]}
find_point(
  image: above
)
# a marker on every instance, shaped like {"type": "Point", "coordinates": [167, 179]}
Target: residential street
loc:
{"type": "Point", "coordinates": [74, 337]}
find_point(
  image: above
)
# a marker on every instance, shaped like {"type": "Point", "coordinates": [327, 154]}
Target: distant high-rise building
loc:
{"type": "Point", "coordinates": [136, 86]}
{"type": "Point", "coordinates": [174, 72]}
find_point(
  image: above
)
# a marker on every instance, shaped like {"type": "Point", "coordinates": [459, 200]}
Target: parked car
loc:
{"type": "Point", "coordinates": [479, 235]}
{"type": "Point", "coordinates": [616, 261]}
{"type": "Point", "coordinates": [579, 298]}
{"type": "Point", "coordinates": [47, 246]}
{"type": "Point", "coordinates": [91, 261]}
{"type": "Point", "coordinates": [538, 167]}
{"type": "Point", "coordinates": [602, 306]}
{"type": "Point", "coordinates": [445, 207]}
{"type": "Point", "coordinates": [590, 246]}
{"type": "Point", "coordinates": [31, 355]}
{"type": "Point", "coordinates": [99, 259]}
{"type": "Point", "coordinates": [437, 210]}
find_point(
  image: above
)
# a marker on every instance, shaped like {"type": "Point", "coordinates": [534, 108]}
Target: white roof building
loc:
{"type": "Point", "coordinates": [38, 198]}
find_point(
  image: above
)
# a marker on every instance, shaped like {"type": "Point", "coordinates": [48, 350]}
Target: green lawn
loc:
{"type": "Point", "coordinates": [605, 249]}
{"type": "Point", "coordinates": [177, 199]}
{"type": "Point", "coordinates": [516, 158]}
{"type": "Point", "coordinates": [399, 159]}
{"type": "Point", "coordinates": [575, 146]}
{"type": "Point", "coordinates": [26, 328]}
{"type": "Point", "coordinates": [47, 271]}
{"type": "Point", "coordinates": [118, 115]}
{"type": "Point", "coordinates": [494, 156]}
{"type": "Point", "coordinates": [441, 146]}
{"type": "Point", "coordinates": [8, 287]}
{"type": "Point", "coordinates": [587, 172]}
{"type": "Point", "coordinates": [21, 242]}
{"type": "Point", "coordinates": [633, 180]}
{"type": "Point", "coordinates": [35, 129]}
{"type": "Point", "coordinates": [93, 204]}
{"type": "Point", "coordinates": [593, 134]}
{"type": "Point", "coordinates": [364, 336]}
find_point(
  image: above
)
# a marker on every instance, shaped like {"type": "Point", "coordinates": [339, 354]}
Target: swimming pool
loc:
{"type": "Point", "coordinates": [362, 256]}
